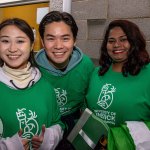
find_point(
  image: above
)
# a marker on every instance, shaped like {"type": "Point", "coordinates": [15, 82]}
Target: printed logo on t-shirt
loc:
{"type": "Point", "coordinates": [27, 122]}
{"type": "Point", "coordinates": [1, 128]}
{"type": "Point", "coordinates": [108, 116]}
{"type": "Point", "coordinates": [105, 98]}
{"type": "Point", "coordinates": [61, 96]}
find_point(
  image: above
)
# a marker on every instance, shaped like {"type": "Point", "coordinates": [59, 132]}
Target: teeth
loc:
{"type": "Point", "coordinates": [58, 53]}
{"type": "Point", "coordinates": [13, 56]}
{"type": "Point", "coordinates": [118, 51]}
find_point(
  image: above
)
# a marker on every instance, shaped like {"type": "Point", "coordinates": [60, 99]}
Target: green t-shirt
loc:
{"type": "Point", "coordinates": [116, 99]}
{"type": "Point", "coordinates": [71, 88]}
{"type": "Point", "coordinates": [27, 109]}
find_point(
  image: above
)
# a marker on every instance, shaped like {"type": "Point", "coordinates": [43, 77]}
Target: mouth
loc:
{"type": "Point", "coordinates": [119, 51]}
{"type": "Point", "coordinates": [59, 54]}
{"type": "Point", "coordinates": [13, 57]}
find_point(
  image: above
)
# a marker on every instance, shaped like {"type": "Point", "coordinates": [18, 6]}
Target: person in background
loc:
{"type": "Point", "coordinates": [29, 115]}
{"type": "Point", "coordinates": [119, 88]}
{"type": "Point", "coordinates": [64, 64]}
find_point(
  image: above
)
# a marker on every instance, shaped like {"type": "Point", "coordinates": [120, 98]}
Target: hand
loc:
{"type": "Point", "coordinates": [37, 140]}
{"type": "Point", "coordinates": [25, 142]}
{"type": "Point", "coordinates": [103, 143]}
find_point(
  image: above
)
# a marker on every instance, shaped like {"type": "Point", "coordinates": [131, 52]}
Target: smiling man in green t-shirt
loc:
{"type": "Point", "coordinates": [64, 64]}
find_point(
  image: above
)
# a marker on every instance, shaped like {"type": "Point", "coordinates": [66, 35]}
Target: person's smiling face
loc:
{"type": "Point", "coordinates": [58, 43]}
{"type": "Point", "coordinates": [118, 45]}
{"type": "Point", "coordinates": [15, 47]}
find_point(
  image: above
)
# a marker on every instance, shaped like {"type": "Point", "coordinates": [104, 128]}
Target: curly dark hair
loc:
{"type": "Point", "coordinates": [57, 16]}
{"type": "Point", "coordinates": [138, 57]}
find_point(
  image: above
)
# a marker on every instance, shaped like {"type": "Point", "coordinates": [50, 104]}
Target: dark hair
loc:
{"type": "Point", "coordinates": [137, 56]}
{"type": "Point", "coordinates": [24, 27]}
{"type": "Point", "coordinates": [56, 16]}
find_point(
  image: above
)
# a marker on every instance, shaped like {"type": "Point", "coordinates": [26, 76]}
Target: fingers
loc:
{"type": "Point", "coordinates": [20, 132]}
{"type": "Point", "coordinates": [25, 144]}
{"type": "Point", "coordinates": [37, 140]}
{"type": "Point", "coordinates": [43, 131]}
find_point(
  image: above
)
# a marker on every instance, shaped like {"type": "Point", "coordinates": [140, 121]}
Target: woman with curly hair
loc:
{"type": "Point", "coordinates": [119, 88]}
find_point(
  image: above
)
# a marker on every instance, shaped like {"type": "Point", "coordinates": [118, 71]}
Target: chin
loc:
{"type": "Point", "coordinates": [119, 61]}
{"type": "Point", "coordinates": [60, 61]}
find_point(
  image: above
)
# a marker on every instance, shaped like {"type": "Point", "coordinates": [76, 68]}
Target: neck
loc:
{"type": "Point", "coordinates": [61, 66]}
{"type": "Point", "coordinates": [19, 78]}
{"type": "Point", "coordinates": [18, 74]}
{"type": "Point", "coordinates": [117, 67]}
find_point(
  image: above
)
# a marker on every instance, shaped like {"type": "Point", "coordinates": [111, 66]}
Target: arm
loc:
{"type": "Point", "coordinates": [48, 139]}
{"type": "Point", "coordinates": [140, 134]}
{"type": "Point", "coordinates": [54, 133]}
{"type": "Point", "coordinates": [12, 143]}
{"type": "Point", "coordinates": [133, 134]}
{"type": "Point", "coordinates": [52, 137]}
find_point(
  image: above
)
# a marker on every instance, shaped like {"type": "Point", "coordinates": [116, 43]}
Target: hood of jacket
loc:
{"type": "Point", "coordinates": [43, 62]}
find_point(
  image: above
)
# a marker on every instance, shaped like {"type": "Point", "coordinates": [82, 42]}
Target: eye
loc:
{"type": "Point", "coordinates": [50, 39]}
{"type": "Point", "coordinates": [66, 38]}
{"type": "Point", "coordinates": [4, 41]}
{"type": "Point", "coordinates": [20, 41]}
{"type": "Point", "coordinates": [111, 41]}
{"type": "Point", "coordinates": [123, 39]}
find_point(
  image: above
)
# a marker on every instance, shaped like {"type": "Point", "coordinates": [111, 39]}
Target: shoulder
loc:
{"type": "Point", "coordinates": [146, 69]}
{"type": "Point", "coordinates": [83, 57]}
{"type": "Point", "coordinates": [87, 64]}
{"type": "Point", "coordinates": [87, 61]}
{"type": "Point", "coordinates": [45, 83]}
{"type": "Point", "coordinates": [144, 72]}
{"type": "Point", "coordinates": [39, 52]}
{"type": "Point", "coordinates": [148, 66]}
{"type": "Point", "coordinates": [87, 58]}
{"type": "Point", "coordinates": [40, 56]}
{"type": "Point", "coordinates": [95, 72]}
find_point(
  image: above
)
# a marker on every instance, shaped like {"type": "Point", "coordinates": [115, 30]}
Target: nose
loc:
{"type": "Point", "coordinates": [13, 47]}
{"type": "Point", "coordinates": [58, 44]}
{"type": "Point", "coordinates": [117, 43]}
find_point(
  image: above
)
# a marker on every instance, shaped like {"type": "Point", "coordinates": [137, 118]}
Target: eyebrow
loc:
{"type": "Point", "coordinates": [1, 36]}
{"type": "Point", "coordinates": [6, 36]}
{"type": "Point", "coordinates": [54, 35]}
{"type": "Point", "coordinates": [119, 37]}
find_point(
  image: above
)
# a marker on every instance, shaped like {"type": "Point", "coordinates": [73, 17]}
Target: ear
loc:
{"type": "Point", "coordinates": [32, 45]}
{"type": "Point", "coordinates": [42, 42]}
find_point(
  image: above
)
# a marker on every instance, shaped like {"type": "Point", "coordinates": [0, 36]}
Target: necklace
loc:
{"type": "Point", "coordinates": [11, 81]}
{"type": "Point", "coordinates": [30, 82]}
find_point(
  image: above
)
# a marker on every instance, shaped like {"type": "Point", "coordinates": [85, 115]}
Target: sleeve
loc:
{"type": "Point", "coordinates": [132, 134]}
{"type": "Point", "coordinates": [13, 143]}
{"type": "Point", "coordinates": [54, 133]}
{"type": "Point", "coordinates": [52, 137]}
{"type": "Point", "coordinates": [140, 134]}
